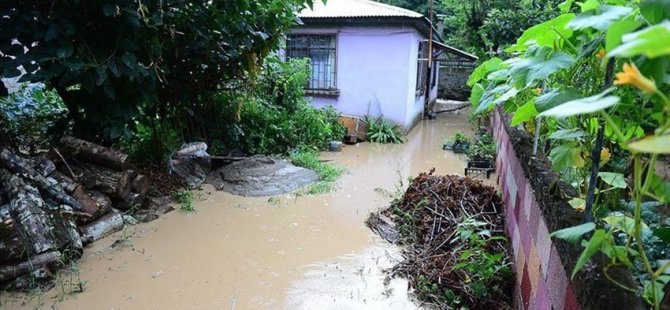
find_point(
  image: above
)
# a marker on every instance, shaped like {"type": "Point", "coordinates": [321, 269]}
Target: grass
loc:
{"type": "Point", "coordinates": [185, 200]}
{"type": "Point", "coordinates": [328, 173]}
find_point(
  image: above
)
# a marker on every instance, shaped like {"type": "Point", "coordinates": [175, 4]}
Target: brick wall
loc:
{"type": "Point", "coordinates": [542, 280]}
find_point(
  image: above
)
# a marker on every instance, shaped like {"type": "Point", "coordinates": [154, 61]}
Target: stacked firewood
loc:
{"type": "Point", "coordinates": [53, 204]}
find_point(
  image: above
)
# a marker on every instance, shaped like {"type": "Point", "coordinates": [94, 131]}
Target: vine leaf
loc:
{"type": "Point", "coordinates": [591, 249]}
{"type": "Point", "coordinates": [567, 155]}
{"type": "Point", "coordinates": [567, 134]}
{"type": "Point", "coordinates": [652, 144]}
{"type": "Point", "coordinates": [613, 179]}
{"type": "Point", "coordinates": [493, 64]}
{"type": "Point", "coordinates": [555, 97]}
{"type": "Point", "coordinates": [651, 42]}
{"type": "Point", "coordinates": [623, 223]}
{"type": "Point", "coordinates": [524, 113]}
{"type": "Point", "coordinates": [591, 19]}
{"type": "Point", "coordinates": [583, 106]}
{"type": "Point", "coordinates": [538, 64]}
{"type": "Point", "coordinates": [544, 34]}
{"type": "Point", "coordinates": [655, 11]}
{"type": "Point", "coordinates": [618, 29]}
{"type": "Point", "coordinates": [573, 234]}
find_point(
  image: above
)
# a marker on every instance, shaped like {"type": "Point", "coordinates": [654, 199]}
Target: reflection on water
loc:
{"type": "Point", "coordinates": [249, 253]}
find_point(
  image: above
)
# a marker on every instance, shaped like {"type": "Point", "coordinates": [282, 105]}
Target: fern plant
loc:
{"type": "Point", "coordinates": [381, 130]}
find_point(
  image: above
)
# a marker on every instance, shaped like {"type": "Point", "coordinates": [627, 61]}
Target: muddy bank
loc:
{"type": "Point", "coordinates": [286, 252]}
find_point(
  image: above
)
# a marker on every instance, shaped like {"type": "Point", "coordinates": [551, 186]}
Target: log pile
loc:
{"type": "Point", "coordinates": [436, 219]}
{"type": "Point", "coordinates": [54, 204]}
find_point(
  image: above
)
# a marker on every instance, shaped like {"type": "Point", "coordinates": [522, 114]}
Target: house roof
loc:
{"type": "Point", "coordinates": [366, 12]}
{"type": "Point", "coordinates": [355, 8]}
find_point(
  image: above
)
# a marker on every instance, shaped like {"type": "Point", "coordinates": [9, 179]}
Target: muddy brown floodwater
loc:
{"type": "Point", "coordinates": [287, 252]}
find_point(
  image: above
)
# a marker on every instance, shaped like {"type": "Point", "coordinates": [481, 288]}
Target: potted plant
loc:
{"type": "Point", "coordinates": [482, 153]}
{"type": "Point", "coordinates": [461, 143]}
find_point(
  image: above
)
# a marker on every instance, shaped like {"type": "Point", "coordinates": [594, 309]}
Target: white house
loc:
{"type": "Point", "coordinates": [369, 58]}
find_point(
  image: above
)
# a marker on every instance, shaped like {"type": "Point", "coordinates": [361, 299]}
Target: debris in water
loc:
{"type": "Point", "coordinates": [457, 254]}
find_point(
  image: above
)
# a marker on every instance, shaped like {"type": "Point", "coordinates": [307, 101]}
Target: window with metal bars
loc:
{"type": "Point", "coordinates": [421, 68]}
{"type": "Point", "coordinates": [320, 49]}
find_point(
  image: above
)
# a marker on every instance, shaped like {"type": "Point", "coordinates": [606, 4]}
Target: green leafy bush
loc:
{"type": "Point", "coordinates": [381, 130]}
{"type": "Point", "coordinates": [483, 150]}
{"type": "Point", "coordinates": [28, 115]}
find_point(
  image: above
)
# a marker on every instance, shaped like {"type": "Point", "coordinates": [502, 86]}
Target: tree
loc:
{"type": "Point", "coordinates": [111, 60]}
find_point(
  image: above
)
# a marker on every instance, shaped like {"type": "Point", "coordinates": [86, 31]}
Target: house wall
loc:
{"type": "Point", "coordinates": [376, 72]}
{"type": "Point", "coordinates": [415, 104]}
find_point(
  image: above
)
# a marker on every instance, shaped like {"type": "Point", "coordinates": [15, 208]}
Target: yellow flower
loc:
{"type": "Point", "coordinates": [538, 91]}
{"type": "Point", "coordinates": [601, 53]}
{"type": "Point", "coordinates": [605, 156]}
{"type": "Point", "coordinates": [631, 75]}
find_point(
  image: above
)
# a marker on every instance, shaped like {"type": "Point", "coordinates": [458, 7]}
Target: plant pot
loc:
{"type": "Point", "coordinates": [460, 147]}
{"type": "Point", "coordinates": [480, 164]}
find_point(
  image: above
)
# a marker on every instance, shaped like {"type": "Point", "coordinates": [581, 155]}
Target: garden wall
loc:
{"type": "Point", "coordinates": [543, 265]}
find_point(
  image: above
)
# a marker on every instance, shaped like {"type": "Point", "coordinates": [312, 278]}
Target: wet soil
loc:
{"type": "Point", "coordinates": [283, 252]}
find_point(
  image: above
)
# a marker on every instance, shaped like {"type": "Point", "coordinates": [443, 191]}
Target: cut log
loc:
{"type": "Point", "coordinates": [102, 227]}
{"type": "Point", "coordinates": [94, 153]}
{"type": "Point", "coordinates": [65, 234]}
{"type": "Point", "coordinates": [43, 166]}
{"type": "Point", "coordinates": [134, 200]}
{"type": "Point", "coordinates": [19, 166]}
{"type": "Point", "coordinates": [116, 184]}
{"type": "Point", "coordinates": [27, 211]}
{"type": "Point", "coordinates": [11, 246]}
{"type": "Point", "coordinates": [45, 259]}
{"type": "Point", "coordinates": [141, 185]}
{"type": "Point", "coordinates": [94, 203]}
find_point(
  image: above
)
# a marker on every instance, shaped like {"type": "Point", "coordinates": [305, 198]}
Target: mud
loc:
{"type": "Point", "coordinates": [285, 252]}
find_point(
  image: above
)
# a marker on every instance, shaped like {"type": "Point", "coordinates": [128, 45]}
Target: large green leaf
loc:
{"type": "Point", "coordinates": [566, 5]}
{"type": "Point", "coordinates": [655, 11]}
{"type": "Point", "coordinates": [566, 156]}
{"type": "Point", "coordinates": [567, 134]}
{"type": "Point", "coordinates": [484, 69]}
{"type": "Point", "coordinates": [599, 20]}
{"type": "Point", "coordinates": [613, 179]}
{"type": "Point", "coordinates": [544, 34]}
{"type": "Point", "coordinates": [618, 29]}
{"type": "Point", "coordinates": [592, 247]}
{"type": "Point", "coordinates": [555, 97]}
{"type": "Point", "coordinates": [652, 144]}
{"type": "Point", "coordinates": [651, 42]}
{"type": "Point", "coordinates": [524, 113]}
{"type": "Point", "coordinates": [623, 223]}
{"type": "Point", "coordinates": [539, 64]}
{"type": "Point", "coordinates": [491, 97]}
{"type": "Point", "coordinates": [574, 234]}
{"type": "Point", "coordinates": [583, 106]}
{"type": "Point", "coordinates": [476, 94]}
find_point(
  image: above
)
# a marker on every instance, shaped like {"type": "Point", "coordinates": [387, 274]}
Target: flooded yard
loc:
{"type": "Point", "coordinates": [284, 252]}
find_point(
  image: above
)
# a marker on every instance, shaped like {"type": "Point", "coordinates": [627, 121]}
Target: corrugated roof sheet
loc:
{"type": "Point", "coordinates": [355, 8]}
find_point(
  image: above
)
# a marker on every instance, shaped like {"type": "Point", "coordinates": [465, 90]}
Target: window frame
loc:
{"type": "Point", "coordinates": [330, 89]}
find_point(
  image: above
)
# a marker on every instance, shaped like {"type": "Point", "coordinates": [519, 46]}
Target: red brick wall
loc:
{"type": "Point", "coordinates": [542, 281]}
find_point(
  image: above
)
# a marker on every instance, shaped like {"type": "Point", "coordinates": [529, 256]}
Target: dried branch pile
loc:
{"type": "Point", "coordinates": [455, 255]}
{"type": "Point", "coordinates": [53, 204]}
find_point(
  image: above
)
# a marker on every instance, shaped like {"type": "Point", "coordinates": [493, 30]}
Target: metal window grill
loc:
{"type": "Point", "coordinates": [422, 68]}
{"type": "Point", "coordinates": [320, 49]}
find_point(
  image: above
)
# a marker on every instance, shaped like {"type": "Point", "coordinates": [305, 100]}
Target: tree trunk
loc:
{"type": "Point", "coordinates": [11, 247]}
{"type": "Point", "coordinates": [27, 211]}
{"type": "Point", "coordinates": [11, 272]}
{"type": "Point", "coordinates": [116, 184]}
{"type": "Point", "coordinates": [94, 153]}
{"type": "Point", "coordinates": [19, 166]}
{"type": "Point", "coordinates": [104, 226]}
{"type": "Point", "coordinates": [43, 166]}
{"type": "Point", "coordinates": [94, 203]}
